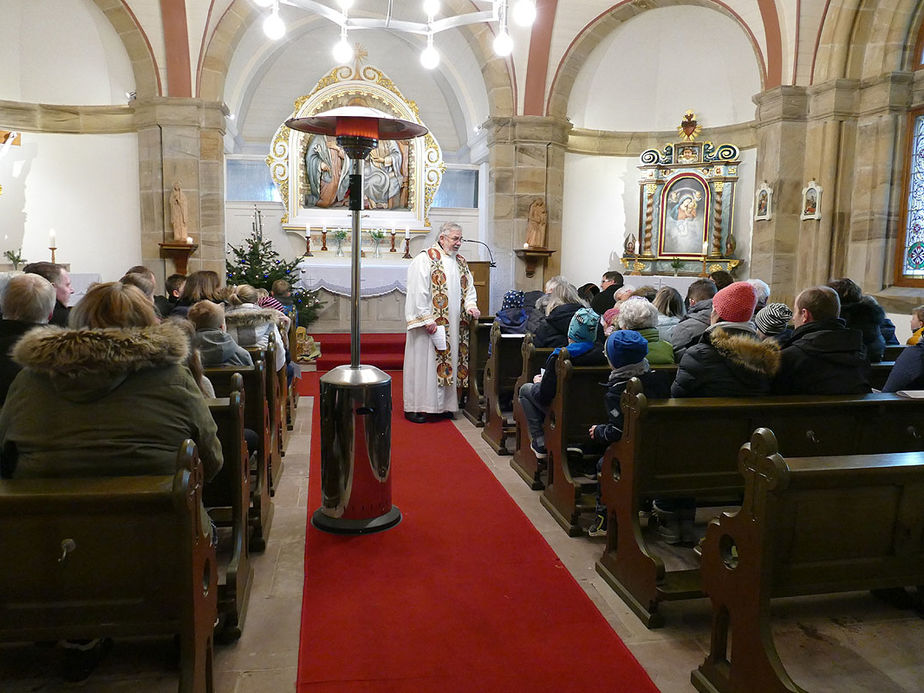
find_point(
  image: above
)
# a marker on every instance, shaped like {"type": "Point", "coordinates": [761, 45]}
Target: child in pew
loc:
{"type": "Point", "coordinates": [215, 345]}
{"type": "Point", "coordinates": [917, 325]}
{"type": "Point", "coordinates": [626, 352]}
{"type": "Point", "coordinates": [535, 397]}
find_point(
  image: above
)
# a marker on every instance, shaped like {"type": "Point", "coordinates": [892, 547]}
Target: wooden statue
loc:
{"type": "Point", "coordinates": [179, 213]}
{"type": "Point", "coordinates": [535, 226]}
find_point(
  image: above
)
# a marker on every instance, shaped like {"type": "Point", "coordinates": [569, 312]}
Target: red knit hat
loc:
{"type": "Point", "coordinates": [735, 303]}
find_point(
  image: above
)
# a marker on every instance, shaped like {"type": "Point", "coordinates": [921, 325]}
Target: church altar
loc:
{"type": "Point", "coordinates": [377, 276]}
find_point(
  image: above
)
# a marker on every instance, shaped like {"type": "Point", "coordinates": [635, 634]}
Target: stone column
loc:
{"type": "Point", "coordinates": [775, 244]}
{"type": "Point", "coordinates": [527, 161]}
{"type": "Point", "coordinates": [181, 139]}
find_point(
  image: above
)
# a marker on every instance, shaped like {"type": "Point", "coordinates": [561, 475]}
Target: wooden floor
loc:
{"type": "Point", "coordinates": [843, 643]}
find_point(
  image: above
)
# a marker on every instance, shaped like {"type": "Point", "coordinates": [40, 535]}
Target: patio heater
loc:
{"type": "Point", "coordinates": [356, 399]}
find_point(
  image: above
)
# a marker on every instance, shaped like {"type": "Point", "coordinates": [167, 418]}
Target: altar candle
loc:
{"type": "Point", "coordinates": [407, 231]}
{"type": "Point", "coordinates": [52, 239]}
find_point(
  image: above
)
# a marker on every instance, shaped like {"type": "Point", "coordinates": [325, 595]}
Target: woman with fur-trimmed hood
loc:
{"type": "Point", "coordinates": [729, 360]}
{"type": "Point", "coordinates": [109, 396]}
{"type": "Point", "coordinates": [251, 326]}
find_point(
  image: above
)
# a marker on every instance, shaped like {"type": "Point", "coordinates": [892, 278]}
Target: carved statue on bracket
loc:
{"type": "Point", "coordinates": [536, 224]}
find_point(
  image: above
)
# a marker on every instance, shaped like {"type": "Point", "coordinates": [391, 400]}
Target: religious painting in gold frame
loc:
{"type": "Point", "coordinates": [400, 177]}
{"type": "Point", "coordinates": [684, 218]}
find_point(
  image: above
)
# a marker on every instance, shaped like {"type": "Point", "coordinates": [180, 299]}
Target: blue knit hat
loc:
{"type": "Point", "coordinates": [624, 347]}
{"type": "Point", "coordinates": [513, 299]}
{"type": "Point", "coordinates": [583, 326]}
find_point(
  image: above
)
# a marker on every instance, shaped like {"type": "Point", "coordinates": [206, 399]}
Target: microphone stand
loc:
{"type": "Point", "coordinates": [490, 254]}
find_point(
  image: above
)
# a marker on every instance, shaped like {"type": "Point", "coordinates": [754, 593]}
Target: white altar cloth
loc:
{"type": "Point", "coordinates": [377, 277]}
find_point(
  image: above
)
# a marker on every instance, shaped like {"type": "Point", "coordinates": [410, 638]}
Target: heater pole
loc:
{"type": "Point", "coordinates": [356, 206]}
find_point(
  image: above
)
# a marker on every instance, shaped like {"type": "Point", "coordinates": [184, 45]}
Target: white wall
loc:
{"type": "Point", "coordinates": [601, 205]}
{"type": "Point", "coordinates": [654, 67]}
{"type": "Point", "coordinates": [83, 186]}
{"type": "Point", "coordinates": [61, 52]}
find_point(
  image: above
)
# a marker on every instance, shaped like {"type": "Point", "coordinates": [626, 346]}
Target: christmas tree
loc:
{"type": "Point", "coordinates": [256, 263]}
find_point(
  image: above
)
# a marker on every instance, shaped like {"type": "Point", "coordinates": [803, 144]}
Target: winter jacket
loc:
{"type": "Point", "coordinates": [104, 402]}
{"type": "Point", "coordinates": [659, 351]}
{"type": "Point", "coordinates": [217, 348]}
{"type": "Point", "coordinates": [535, 315]}
{"type": "Point", "coordinates": [728, 361]}
{"type": "Point", "coordinates": [512, 321]}
{"type": "Point", "coordinates": [653, 387]}
{"type": "Point", "coordinates": [666, 327]}
{"type": "Point", "coordinates": [10, 333]}
{"type": "Point", "coordinates": [688, 330]}
{"type": "Point", "coordinates": [866, 315]}
{"type": "Point", "coordinates": [580, 353]}
{"type": "Point", "coordinates": [823, 358]}
{"type": "Point", "coordinates": [605, 300]}
{"type": "Point", "coordinates": [908, 371]}
{"type": "Point", "coordinates": [251, 326]}
{"type": "Point", "coordinates": [887, 330]}
{"type": "Point", "coordinates": [553, 331]}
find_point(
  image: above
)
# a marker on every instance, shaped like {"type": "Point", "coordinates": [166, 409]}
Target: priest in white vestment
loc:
{"type": "Point", "coordinates": [440, 294]}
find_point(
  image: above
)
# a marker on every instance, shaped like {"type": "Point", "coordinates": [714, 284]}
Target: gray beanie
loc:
{"type": "Point", "coordinates": [773, 318]}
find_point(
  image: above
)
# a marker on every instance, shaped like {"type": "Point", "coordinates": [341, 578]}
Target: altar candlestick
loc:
{"type": "Point", "coordinates": [324, 237]}
{"type": "Point", "coordinates": [407, 232]}
{"type": "Point", "coordinates": [308, 241]}
{"type": "Point", "coordinates": [407, 248]}
{"type": "Point", "coordinates": [392, 249]}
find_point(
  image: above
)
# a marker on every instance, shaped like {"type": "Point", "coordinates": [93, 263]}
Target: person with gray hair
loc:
{"type": "Point", "coordinates": [440, 305]}
{"type": "Point", "coordinates": [762, 289]}
{"type": "Point", "coordinates": [27, 301]}
{"type": "Point", "coordinates": [563, 303]}
{"type": "Point", "coordinates": [638, 314]}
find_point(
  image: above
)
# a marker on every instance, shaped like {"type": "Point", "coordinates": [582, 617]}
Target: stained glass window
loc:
{"type": "Point", "coordinates": [913, 256]}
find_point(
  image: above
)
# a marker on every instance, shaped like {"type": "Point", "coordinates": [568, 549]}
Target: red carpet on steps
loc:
{"type": "Point", "coordinates": [464, 595]}
{"type": "Point", "coordinates": [386, 351]}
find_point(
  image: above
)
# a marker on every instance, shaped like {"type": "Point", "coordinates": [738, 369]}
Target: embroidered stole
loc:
{"type": "Point", "coordinates": [440, 297]}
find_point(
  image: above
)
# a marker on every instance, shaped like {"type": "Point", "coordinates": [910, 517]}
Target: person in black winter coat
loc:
{"type": "Point", "coordinates": [563, 304]}
{"type": "Point", "coordinates": [512, 315]}
{"type": "Point", "coordinates": [861, 312]}
{"type": "Point", "coordinates": [611, 282]}
{"type": "Point", "coordinates": [729, 360]}
{"type": "Point", "coordinates": [823, 356]}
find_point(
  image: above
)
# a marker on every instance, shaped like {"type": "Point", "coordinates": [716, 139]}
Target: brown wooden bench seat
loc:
{"type": "Point", "coordinates": [227, 498]}
{"type": "Point", "coordinates": [524, 462]}
{"type": "Point", "coordinates": [809, 525]}
{"type": "Point", "coordinates": [478, 342]}
{"type": "Point", "coordinates": [681, 448]}
{"type": "Point", "coordinates": [501, 371]}
{"type": "Point", "coordinates": [892, 351]}
{"type": "Point", "coordinates": [256, 418]}
{"type": "Point", "coordinates": [111, 557]}
{"type": "Point", "coordinates": [879, 373]}
{"type": "Point", "coordinates": [578, 404]}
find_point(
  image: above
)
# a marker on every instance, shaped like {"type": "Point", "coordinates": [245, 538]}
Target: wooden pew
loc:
{"type": "Point", "coordinates": [501, 371]}
{"type": "Point", "coordinates": [578, 404]}
{"type": "Point", "coordinates": [809, 525]}
{"type": "Point", "coordinates": [273, 403]}
{"type": "Point", "coordinates": [879, 373]}
{"type": "Point", "coordinates": [257, 419]}
{"type": "Point", "coordinates": [681, 448]}
{"type": "Point", "coordinates": [524, 462]}
{"type": "Point", "coordinates": [111, 557]}
{"type": "Point", "coordinates": [227, 498]}
{"type": "Point", "coordinates": [478, 341]}
{"type": "Point", "coordinates": [892, 351]}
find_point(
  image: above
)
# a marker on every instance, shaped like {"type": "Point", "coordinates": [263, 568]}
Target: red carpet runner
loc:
{"type": "Point", "coordinates": [464, 595]}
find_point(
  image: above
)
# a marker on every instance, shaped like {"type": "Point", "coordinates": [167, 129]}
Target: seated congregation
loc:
{"type": "Point", "coordinates": [131, 415]}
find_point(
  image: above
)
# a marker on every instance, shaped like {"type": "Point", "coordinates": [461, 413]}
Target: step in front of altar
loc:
{"type": "Point", "coordinates": [383, 350]}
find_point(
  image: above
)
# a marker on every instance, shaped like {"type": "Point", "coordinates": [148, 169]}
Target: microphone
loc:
{"type": "Point", "coordinates": [490, 254]}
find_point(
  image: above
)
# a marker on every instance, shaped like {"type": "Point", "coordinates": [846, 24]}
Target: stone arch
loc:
{"type": "Point", "coordinates": [213, 71]}
{"type": "Point", "coordinates": [144, 66]}
{"type": "Point", "coordinates": [596, 31]}
{"type": "Point", "coordinates": [855, 43]}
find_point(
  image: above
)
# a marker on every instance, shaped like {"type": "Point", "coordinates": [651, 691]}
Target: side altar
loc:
{"type": "Point", "coordinates": [686, 207]}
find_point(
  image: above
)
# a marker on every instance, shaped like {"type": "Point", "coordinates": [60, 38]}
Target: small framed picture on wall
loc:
{"type": "Point", "coordinates": [811, 201]}
{"type": "Point", "coordinates": [763, 202]}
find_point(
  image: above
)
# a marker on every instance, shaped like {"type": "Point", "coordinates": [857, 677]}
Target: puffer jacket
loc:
{"type": "Point", "coordinates": [553, 331]}
{"type": "Point", "coordinates": [728, 361]}
{"type": "Point", "coordinates": [823, 358]}
{"type": "Point", "coordinates": [251, 326]}
{"type": "Point", "coordinates": [104, 402]}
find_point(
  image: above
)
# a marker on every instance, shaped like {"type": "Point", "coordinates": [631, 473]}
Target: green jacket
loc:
{"type": "Point", "coordinates": [659, 351]}
{"type": "Point", "coordinates": [104, 402]}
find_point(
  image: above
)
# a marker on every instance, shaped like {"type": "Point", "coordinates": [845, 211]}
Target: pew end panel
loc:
{"type": "Point", "coordinates": [501, 371]}
{"type": "Point", "coordinates": [810, 525]}
{"type": "Point", "coordinates": [111, 557]}
{"type": "Point", "coordinates": [525, 463]}
{"type": "Point", "coordinates": [478, 342]}
{"type": "Point", "coordinates": [578, 404]}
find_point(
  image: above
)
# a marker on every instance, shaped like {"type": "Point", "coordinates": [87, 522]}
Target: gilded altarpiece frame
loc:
{"type": "Point", "coordinates": [415, 166]}
{"type": "Point", "coordinates": [686, 208]}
